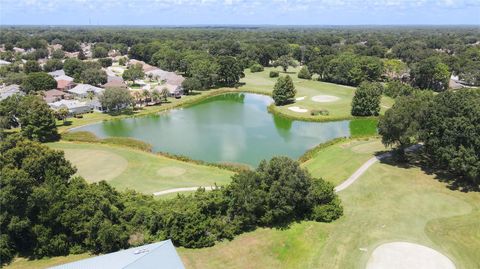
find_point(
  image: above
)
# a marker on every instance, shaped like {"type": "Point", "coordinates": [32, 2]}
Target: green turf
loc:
{"type": "Point", "coordinates": [22, 263]}
{"type": "Point", "coordinates": [337, 162]}
{"type": "Point", "coordinates": [133, 169]}
{"type": "Point", "coordinates": [363, 127]}
{"type": "Point", "coordinates": [260, 81]}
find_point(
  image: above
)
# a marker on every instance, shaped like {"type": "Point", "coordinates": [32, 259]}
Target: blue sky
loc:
{"type": "Point", "coordinates": [236, 12]}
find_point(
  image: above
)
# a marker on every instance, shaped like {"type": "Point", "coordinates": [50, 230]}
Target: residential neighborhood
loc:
{"type": "Point", "coordinates": [79, 97]}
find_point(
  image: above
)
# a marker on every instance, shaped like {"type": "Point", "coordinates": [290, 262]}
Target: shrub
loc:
{"type": "Point", "coordinates": [256, 68]}
{"type": "Point", "coordinates": [304, 73]}
{"type": "Point", "coordinates": [82, 136]}
{"type": "Point", "coordinates": [321, 112]}
{"type": "Point", "coordinates": [128, 142]}
{"type": "Point", "coordinates": [274, 74]}
{"type": "Point", "coordinates": [327, 212]}
{"type": "Point", "coordinates": [105, 62]}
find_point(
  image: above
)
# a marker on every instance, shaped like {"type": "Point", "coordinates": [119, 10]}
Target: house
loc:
{"type": "Point", "coordinates": [95, 105]}
{"type": "Point", "coordinates": [64, 77]}
{"type": "Point", "coordinates": [146, 67]}
{"type": "Point", "coordinates": [152, 256]}
{"type": "Point", "coordinates": [174, 90]}
{"type": "Point", "coordinates": [7, 91]}
{"type": "Point", "coordinates": [3, 62]}
{"type": "Point", "coordinates": [19, 50]}
{"type": "Point", "coordinates": [165, 76]}
{"type": "Point", "coordinates": [65, 85]}
{"type": "Point", "coordinates": [51, 96]}
{"type": "Point", "coordinates": [57, 73]}
{"type": "Point", "coordinates": [74, 107]}
{"type": "Point", "coordinates": [84, 90]}
{"type": "Point", "coordinates": [115, 82]}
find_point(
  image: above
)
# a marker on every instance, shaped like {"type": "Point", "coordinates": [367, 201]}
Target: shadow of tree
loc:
{"type": "Point", "coordinates": [420, 160]}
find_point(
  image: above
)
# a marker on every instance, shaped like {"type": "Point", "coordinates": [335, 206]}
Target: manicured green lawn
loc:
{"type": "Point", "coordinates": [126, 168]}
{"type": "Point", "coordinates": [338, 109]}
{"type": "Point", "coordinates": [337, 162]}
{"type": "Point", "coordinates": [22, 263]}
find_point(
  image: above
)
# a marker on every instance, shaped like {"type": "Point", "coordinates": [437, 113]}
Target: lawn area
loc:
{"type": "Point", "coordinates": [134, 169]}
{"type": "Point", "coordinates": [388, 203]}
{"type": "Point", "coordinates": [306, 89]}
{"type": "Point", "coordinates": [346, 157]}
{"type": "Point", "coordinates": [22, 263]}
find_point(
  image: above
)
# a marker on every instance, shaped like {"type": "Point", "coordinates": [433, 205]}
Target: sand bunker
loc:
{"type": "Point", "coordinates": [298, 109]}
{"type": "Point", "coordinates": [300, 98]}
{"type": "Point", "coordinates": [324, 98]}
{"type": "Point", "coordinates": [403, 255]}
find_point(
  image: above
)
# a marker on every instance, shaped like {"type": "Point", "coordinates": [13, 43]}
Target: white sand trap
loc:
{"type": "Point", "coordinates": [300, 98]}
{"type": "Point", "coordinates": [324, 98]}
{"type": "Point", "coordinates": [298, 109]}
{"type": "Point", "coordinates": [403, 255]}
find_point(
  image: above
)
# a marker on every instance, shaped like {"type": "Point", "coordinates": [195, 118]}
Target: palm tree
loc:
{"type": "Point", "coordinates": [146, 96]}
{"type": "Point", "coordinates": [165, 94]}
{"type": "Point", "coordinates": [156, 96]}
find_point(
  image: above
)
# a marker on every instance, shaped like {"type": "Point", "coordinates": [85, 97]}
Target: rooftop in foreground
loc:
{"type": "Point", "coordinates": [157, 255]}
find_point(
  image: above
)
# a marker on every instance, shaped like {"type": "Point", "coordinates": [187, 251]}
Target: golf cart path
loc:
{"type": "Point", "coordinates": [345, 184]}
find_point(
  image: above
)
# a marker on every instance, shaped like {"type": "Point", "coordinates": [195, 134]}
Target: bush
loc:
{"type": "Point", "coordinates": [82, 136]}
{"type": "Point", "coordinates": [321, 112]}
{"type": "Point", "coordinates": [256, 68]}
{"type": "Point", "coordinates": [327, 212]}
{"type": "Point", "coordinates": [274, 74]}
{"type": "Point", "coordinates": [304, 73]}
{"type": "Point", "coordinates": [105, 62]}
{"type": "Point", "coordinates": [128, 142]}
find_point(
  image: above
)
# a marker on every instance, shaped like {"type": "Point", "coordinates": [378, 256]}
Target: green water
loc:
{"type": "Point", "coordinates": [230, 128]}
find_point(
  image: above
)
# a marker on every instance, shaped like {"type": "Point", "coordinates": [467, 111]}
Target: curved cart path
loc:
{"type": "Point", "coordinates": [345, 184]}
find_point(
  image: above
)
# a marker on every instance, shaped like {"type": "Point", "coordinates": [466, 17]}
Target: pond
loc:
{"type": "Point", "coordinates": [229, 128]}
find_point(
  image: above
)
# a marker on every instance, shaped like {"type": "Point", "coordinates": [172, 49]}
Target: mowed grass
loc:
{"type": "Point", "coordinates": [388, 203]}
{"type": "Point", "coordinates": [126, 168]}
{"type": "Point", "coordinates": [337, 162]}
{"type": "Point", "coordinates": [22, 263]}
{"type": "Point", "coordinates": [339, 109]}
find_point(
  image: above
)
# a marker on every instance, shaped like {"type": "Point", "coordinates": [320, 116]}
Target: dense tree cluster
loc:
{"type": "Point", "coordinates": [48, 211]}
{"type": "Point", "coordinates": [448, 124]}
{"type": "Point", "coordinates": [34, 117]}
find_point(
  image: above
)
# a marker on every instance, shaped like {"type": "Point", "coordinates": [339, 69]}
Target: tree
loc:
{"type": "Point", "coordinates": [205, 71]}
{"type": "Point", "coordinates": [431, 73]}
{"type": "Point", "coordinates": [105, 62]}
{"type": "Point", "coordinates": [38, 81]}
{"type": "Point", "coordinates": [449, 130]}
{"type": "Point", "coordinates": [133, 73]}
{"type": "Point", "coordinates": [394, 68]}
{"type": "Point", "coordinates": [31, 66]}
{"type": "Point", "coordinates": [93, 76]}
{"type": "Point", "coordinates": [285, 61]}
{"type": "Point", "coordinates": [165, 93]}
{"type": "Point", "coordinates": [256, 68]}
{"type": "Point", "coordinates": [396, 88]}
{"type": "Point", "coordinates": [304, 73]}
{"type": "Point", "coordinates": [400, 125]}
{"type": "Point", "coordinates": [37, 121]}
{"type": "Point", "coordinates": [73, 67]}
{"type": "Point", "coordinates": [52, 65]}
{"type": "Point", "coordinates": [58, 54]}
{"type": "Point", "coordinates": [99, 52]}
{"type": "Point", "coordinates": [283, 91]}
{"type": "Point", "coordinates": [156, 96]}
{"type": "Point", "coordinates": [81, 55]}
{"type": "Point", "coordinates": [70, 45]}
{"type": "Point", "coordinates": [190, 85]}
{"type": "Point", "coordinates": [229, 71]}
{"type": "Point", "coordinates": [277, 192]}
{"type": "Point", "coordinates": [62, 114]}
{"type": "Point", "coordinates": [274, 74]}
{"type": "Point", "coordinates": [122, 61]}
{"type": "Point", "coordinates": [366, 101]}
{"type": "Point", "coordinates": [115, 99]}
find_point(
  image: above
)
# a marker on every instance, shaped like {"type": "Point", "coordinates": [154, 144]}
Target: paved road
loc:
{"type": "Point", "coordinates": [338, 188]}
